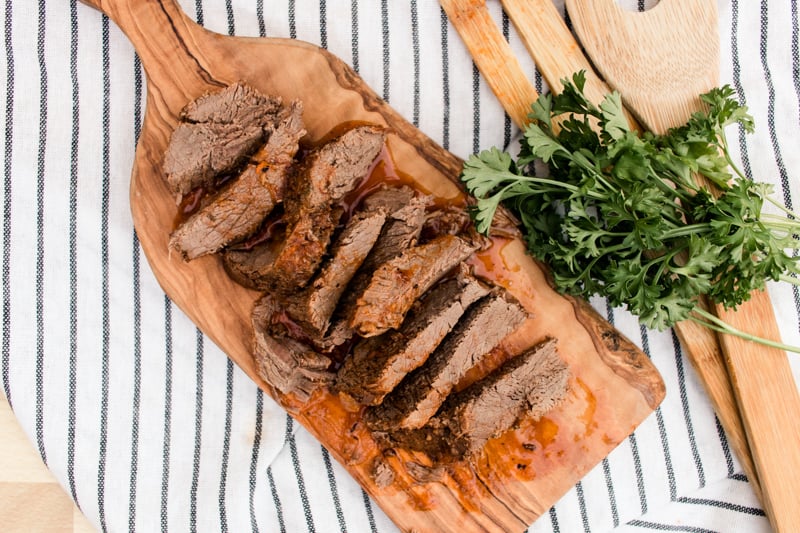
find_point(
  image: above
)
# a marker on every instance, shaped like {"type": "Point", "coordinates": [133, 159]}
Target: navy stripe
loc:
{"type": "Point", "coordinates": [8, 150]}
{"type": "Point", "coordinates": [637, 467]}
{"type": "Point", "coordinates": [687, 416]}
{"type": "Point", "coordinates": [198, 7]}
{"type": "Point", "coordinates": [167, 413]}
{"type": "Point", "coordinates": [73, 251]}
{"type": "Point", "coordinates": [737, 83]}
{"type": "Point", "coordinates": [415, 50]}
{"type": "Point", "coordinates": [326, 458]}
{"type": "Point", "coordinates": [726, 450]}
{"type": "Point", "coordinates": [106, 322]}
{"type": "Point", "coordinates": [669, 527]}
{"type": "Point", "coordinates": [254, 460]}
{"type": "Point", "coordinates": [662, 430]}
{"type": "Point", "coordinates": [784, 176]}
{"type": "Point", "coordinates": [298, 473]}
{"type": "Point", "coordinates": [354, 33]}
{"type": "Point", "coordinates": [385, 40]}
{"type": "Point", "coordinates": [739, 477]}
{"type": "Point", "coordinates": [476, 109]}
{"type": "Point", "coordinates": [198, 431]}
{"type": "Point", "coordinates": [754, 511]}
{"type": "Point", "coordinates": [137, 385]}
{"type": "Point", "coordinates": [262, 27]}
{"type": "Point", "coordinates": [373, 527]}
{"type": "Point", "coordinates": [506, 119]}
{"type": "Point", "coordinates": [612, 499]}
{"type": "Point", "coordinates": [137, 315]}
{"type": "Point", "coordinates": [229, 12]}
{"type": "Point", "coordinates": [292, 21]}
{"type": "Point", "coordinates": [445, 80]}
{"type": "Point", "coordinates": [276, 499]}
{"type": "Point", "coordinates": [553, 515]}
{"type": "Point", "coordinates": [582, 507]}
{"type": "Point", "coordinates": [323, 24]}
{"type": "Point", "coordinates": [773, 136]}
{"type": "Point", "coordinates": [226, 444]}
{"type": "Point", "coordinates": [40, 178]}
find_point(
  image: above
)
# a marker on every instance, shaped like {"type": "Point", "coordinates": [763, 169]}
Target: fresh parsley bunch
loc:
{"type": "Point", "coordinates": [623, 215]}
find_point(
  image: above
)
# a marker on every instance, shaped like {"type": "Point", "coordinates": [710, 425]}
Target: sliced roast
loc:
{"type": "Point", "coordinates": [314, 306]}
{"type": "Point", "coordinates": [423, 391]}
{"type": "Point", "coordinates": [216, 135]}
{"type": "Point", "coordinates": [289, 264]}
{"type": "Point", "coordinates": [400, 231]}
{"type": "Point", "coordinates": [333, 170]}
{"type": "Point", "coordinates": [239, 209]}
{"type": "Point", "coordinates": [379, 363]}
{"type": "Point", "coordinates": [312, 211]}
{"type": "Point", "coordinates": [397, 284]}
{"type": "Point", "coordinates": [531, 384]}
{"type": "Point", "coordinates": [287, 364]}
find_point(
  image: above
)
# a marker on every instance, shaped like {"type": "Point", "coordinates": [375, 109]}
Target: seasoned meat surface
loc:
{"type": "Point", "coordinates": [216, 134]}
{"type": "Point", "coordinates": [314, 306]}
{"type": "Point", "coordinates": [531, 383]}
{"type": "Point", "coordinates": [379, 363]}
{"type": "Point", "coordinates": [423, 391]}
{"type": "Point", "coordinates": [239, 209]}
{"type": "Point", "coordinates": [397, 284]}
{"type": "Point", "coordinates": [287, 364]}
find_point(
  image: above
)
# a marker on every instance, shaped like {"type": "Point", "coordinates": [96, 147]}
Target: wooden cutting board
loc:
{"type": "Point", "coordinates": [519, 475]}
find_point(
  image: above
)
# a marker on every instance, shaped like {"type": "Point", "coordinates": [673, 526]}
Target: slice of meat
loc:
{"type": "Point", "coordinates": [397, 284]}
{"type": "Point", "coordinates": [423, 391]}
{"type": "Point", "coordinates": [531, 383]}
{"type": "Point", "coordinates": [314, 306]}
{"type": "Point", "coordinates": [218, 132]}
{"type": "Point", "coordinates": [240, 208]}
{"type": "Point", "coordinates": [288, 365]}
{"type": "Point", "coordinates": [400, 231]}
{"type": "Point", "coordinates": [312, 211]}
{"type": "Point", "coordinates": [379, 363]}
{"type": "Point", "coordinates": [245, 266]}
{"type": "Point", "coordinates": [390, 199]}
{"type": "Point", "coordinates": [334, 169]}
{"type": "Point", "coordinates": [289, 264]}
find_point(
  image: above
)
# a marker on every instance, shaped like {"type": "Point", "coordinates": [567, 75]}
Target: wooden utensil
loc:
{"type": "Point", "coordinates": [661, 61]}
{"type": "Point", "coordinates": [519, 476]}
{"type": "Point", "coordinates": [548, 39]}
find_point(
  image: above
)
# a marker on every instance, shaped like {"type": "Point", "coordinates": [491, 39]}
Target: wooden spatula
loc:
{"type": "Point", "coordinates": [615, 385]}
{"type": "Point", "coordinates": [557, 56]}
{"type": "Point", "coordinates": [661, 61]}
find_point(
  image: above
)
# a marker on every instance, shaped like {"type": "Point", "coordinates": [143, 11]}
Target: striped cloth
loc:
{"type": "Point", "coordinates": [148, 426]}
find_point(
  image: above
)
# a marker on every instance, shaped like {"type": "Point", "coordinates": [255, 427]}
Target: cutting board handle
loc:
{"type": "Point", "coordinates": [169, 45]}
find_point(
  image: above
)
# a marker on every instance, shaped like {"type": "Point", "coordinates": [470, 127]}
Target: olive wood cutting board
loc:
{"type": "Point", "coordinates": [518, 476]}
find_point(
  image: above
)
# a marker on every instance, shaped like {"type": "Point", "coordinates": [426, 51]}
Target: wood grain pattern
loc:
{"type": "Point", "coordinates": [517, 477]}
{"type": "Point", "coordinates": [675, 59]}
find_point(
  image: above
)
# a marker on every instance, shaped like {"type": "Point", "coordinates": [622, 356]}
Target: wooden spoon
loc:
{"type": "Point", "coordinates": [660, 61]}
{"type": "Point", "coordinates": [182, 61]}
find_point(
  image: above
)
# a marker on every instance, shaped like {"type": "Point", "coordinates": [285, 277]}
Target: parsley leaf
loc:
{"type": "Point", "coordinates": [622, 215]}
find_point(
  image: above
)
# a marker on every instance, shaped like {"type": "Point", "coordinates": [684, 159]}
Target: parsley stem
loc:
{"type": "Point", "coordinates": [685, 230]}
{"type": "Point", "coordinates": [782, 207]}
{"type": "Point", "coordinates": [712, 322]}
{"type": "Point", "coordinates": [789, 279]}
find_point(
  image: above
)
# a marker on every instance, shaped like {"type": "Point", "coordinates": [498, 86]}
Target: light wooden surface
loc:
{"type": "Point", "coordinates": [31, 500]}
{"type": "Point", "coordinates": [674, 59]}
{"type": "Point", "coordinates": [548, 39]}
{"type": "Point", "coordinates": [614, 385]}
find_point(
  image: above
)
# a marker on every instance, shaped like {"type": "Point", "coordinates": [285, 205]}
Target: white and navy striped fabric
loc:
{"type": "Point", "coordinates": [148, 425]}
